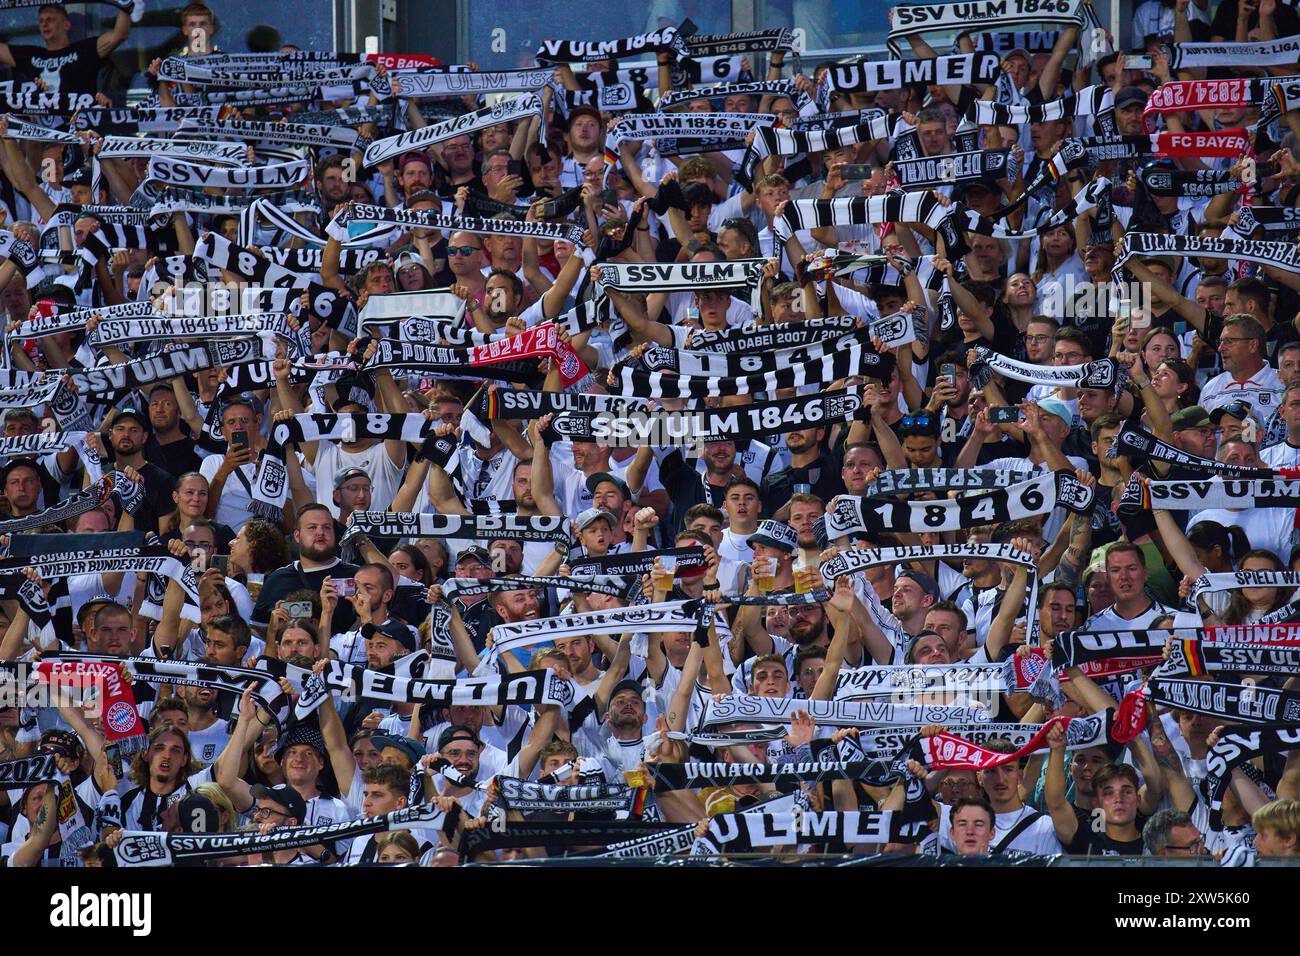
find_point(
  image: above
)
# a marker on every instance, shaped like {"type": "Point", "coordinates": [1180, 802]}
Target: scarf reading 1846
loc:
{"type": "Point", "coordinates": [1037, 496]}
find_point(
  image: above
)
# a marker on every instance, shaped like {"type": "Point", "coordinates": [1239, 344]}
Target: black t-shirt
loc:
{"type": "Point", "coordinates": [158, 488]}
{"type": "Point", "coordinates": [1088, 842]}
{"type": "Point", "coordinates": [177, 457]}
{"type": "Point", "coordinates": [74, 69]}
{"type": "Point", "coordinates": [284, 581]}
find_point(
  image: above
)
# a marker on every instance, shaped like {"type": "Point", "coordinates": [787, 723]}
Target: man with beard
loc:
{"type": "Point", "coordinates": [113, 631]}
{"type": "Point", "coordinates": [127, 434]}
{"type": "Point", "coordinates": [163, 774]}
{"type": "Point", "coordinates": [207, 733]}
{"type": "Point", "coordinates": [375, 623]}
{"type": "Point", "coordinates": [461, 747]}
{"type": "Point", "coordinates": [624, 728]}
{"type": "Point", "coordinates": [331, 185]}
{"type": "Point", "coordinates": [809, 465]}
{"type": "Point", "coordinates": [804, 510]}
{"type": "Point", "coordinates": [169, 443]}
{"type": "Point", "coordinates": [317, 561]}
{"type": "Point", "coordinates": [232, 477]}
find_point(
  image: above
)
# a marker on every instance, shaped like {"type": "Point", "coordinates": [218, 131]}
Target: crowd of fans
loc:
{"type": "Point", "coordinates": [1206, 351]}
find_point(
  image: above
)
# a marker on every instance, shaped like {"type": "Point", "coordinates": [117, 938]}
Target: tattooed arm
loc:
{"type": "Point", "coordinates": [43, 827]}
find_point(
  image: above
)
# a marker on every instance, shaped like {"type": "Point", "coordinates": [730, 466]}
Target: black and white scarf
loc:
{"type": "Point", "coordinates": [428, 303]}
{"type": "Point", "coordinates": [833, 713]}
{"type": "Point", "coordinates": [521, 404]}
{"type": "Point", "coordinates": [437, 82]}
{"type": "Point", "coordinates": [20, 389]}
{"type": "Point", "coordinates": [1280, 255]}
{"type": "Point", "coordinates": [853, 360]}
{"type": "Point", "coordinates": [211, 327]}
{"type": "Point", "coordinates": [1234, 495]}
{"type": "Point", "coordinates": [132, 121]}
{"type": "Point", "coordinates": [1039, 495]}
{"type": "Point", "coordinates": [41, 443]}
{"type": "Point", "coordinates": [77, 503]}
{"type": "Point", "coordinates": [770, 141]}
{"type": "Point", "coordinates": [679, 276]}
{"type": "Point", "coordinates": [263, 210]}
{"type": "Point", "coordinates": [981, 682]}
{"type": "Point", "coordinates": [669, 616]}
{"type": "Point", "coordinates": [1284, 51]}
{"type": "Point", "coordinates": [670, 39]}
{"type": "Point", "coordinates": [176, 172]}
{"type": "Point", "coordinates": [507, 111]}
{"type": "Point", "coordinates": [959, 69]}
{"type": "Point", "coordinates": [758, 829]}
{"type": "Point", "coordinates": [360, 212]}
{"type": "Point", "coordinates": [526, 795]}
{"type": "Point", "coordinates": [139, 848]}
{"type": "Point", "coordinates": [661, 429]}
{"type": "Point", "coordinates": [1097, 102]}
{"type": "Point", "coordinates": [1232, 580]}
{"type": "Point", "coordinates": [1104, 373]}
{"type": "Point", "coordinates": [405, 358]}
{"type": "Point", "coordinates": [1001, 15]}
{"type": "Point", "coordinates": [406, 524]}
{"type": "Point", "coordinates": [785, 777]}
{"type": "Point", "coordinates": [1136, 444]}
{"type": "Point", "coordinates": [280, 133]}
{"type": "Point", "coordinates": [730, 44]}
{"type": "Point", "coordinates": [1198, 659]}
{"type": "Point", "coordinates": [666, 842]}
{"type": "Point", "coordinates": [897, 206]}
{"type": "Point", "coordinates": [658, 358]}
{"type": "Point", "coordinates": [978, 166]}
{"type": "Point", "coordinates": [784, 88]}
{"type": "Point", "coordinates": [637, 562]}
{"type": "Point", "coordinates": [259, 70]}
{"type": "Point", "coordinates": [1232, 703]}
{"type": "Point", "coordinates": [1276, 219]}
{"type": "Point", "coordinates": [1193, 183]}
{"type": "Point", "coordinates": [1233, 749]}
{"type": "Point", "coordinates": [776, 335]}
{"type": "Point", "coordinates": [125, 147]}
{"type": "Point", "coordinates": [705, 131]}
{"type": "Point", "coordinates": [1074, 648]}
{"type": "Point", "coordinates": [595, 584]}
{"type": "Point", "coordinates": [38, 327]}
{"type": "Point", "coordinates": [20, 129]}
{"type": "Point", "coordinates": [139, 373]}
{"type": "Point", "coordinates": [906, 481]}
{"type": "Point", "coordinates": [24, 772]}
{"type": "Point", "coordinates": [248, 265]}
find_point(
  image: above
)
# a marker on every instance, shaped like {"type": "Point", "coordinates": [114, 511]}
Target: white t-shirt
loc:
{"type": "Point", "coordinates": [385, 477]}
{"type": "Point", "coordinates": [1269, 528]}
{"type": "Point", "coordinates": [1263, 391]}
{"type": "Point", "coordinates": [236, 494]}
{"type": "Point", "coordinates": [1038, 838]}
{"type": "Point", "coordinates": [1282, 455]}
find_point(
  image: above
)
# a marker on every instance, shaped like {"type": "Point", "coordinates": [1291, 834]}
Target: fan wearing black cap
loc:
{"type": "Point", "coordinates": [76, 800]}
{"type": "Point", "coordinates": [281, 806]}
{"type": "Point", "coordinates": [128, 430]}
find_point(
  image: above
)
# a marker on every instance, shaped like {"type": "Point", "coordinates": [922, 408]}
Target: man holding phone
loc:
{"type": "Point", "coordinates": [231, 477]}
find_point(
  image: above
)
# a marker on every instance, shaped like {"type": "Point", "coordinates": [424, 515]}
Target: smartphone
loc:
{"type": "Point", "coordinates": [239, 438]}
{"type": "Point", "coordinates": [609, 197]}
{"type": "Point", "coordinates": [298, 610]}
{"type": "Point", "coordinates": [949, 371]}
{"type": "Point", "coordinates": [345, 587]}
{"type": "Point", "coordinates": [515, 167]}
{"type": "Point", "coordinates": [1138, 61]}
{"type": "Point", "coordinates": [857, 171]}
{"type": "Point", "coordinates": [548, 209]}
{"type": "Point", "coordinates": [1003, 414]}
{"type": "Point", "coordinates": [221, 562]}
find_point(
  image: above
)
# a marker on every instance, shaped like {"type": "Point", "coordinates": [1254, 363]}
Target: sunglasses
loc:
{"type": "Point", "coordinates": [462, 250]}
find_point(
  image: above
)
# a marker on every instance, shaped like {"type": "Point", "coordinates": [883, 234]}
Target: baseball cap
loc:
{"type": "Point", "coordinates": [344, 475]}
{"type": "Point", "coordinates": [911, 645]}
{"type": "Point", "coordinates": [406, 745]}
{"type": "Point", "coordinates": [927, 583]}
{"type": "Point", "coordinates": [1192, 417]}
{"type": "Point", "coordinates": [1238, 408]}
{"type": "Point", "coordinates": [455, 732]}
{"type": "Point", "coordinates": [626, 683]}
{"type": "Point", "coordinates": [140, 417]}
{"type": "Point", "coordinates": [286, 797]}
{"type": "Point", "coordinates": [615, 480]}
{"type": "Point", "coordinates": [198, 814]}
{"type": "Point", "coordinates": [594, 514]}
{"type": "Point", "coordinates": [416, 156]}
{"type": "Point", "coordinates": [583, 111]}
{"type": "Point", "coordinates": [398, 632]}
{"type": "Point", "coordinates": [408, 258]}
{"type": "Point", "coordinates": [1054, 406]}
{"type": "Point", "coordinates": [64, 741]}
{"type": "Point", "coordinates": [478, 553]}
{"type": "Point", "coordinates": [1129, 96]}
{"type": "Point", "coordinates": [775, 534]}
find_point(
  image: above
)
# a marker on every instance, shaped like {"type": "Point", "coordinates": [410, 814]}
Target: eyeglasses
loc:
{"type": "Point", "coordinates": [202, 545]}
{"type": "Point", "coordinates": [261, 812]}
{"type": "Point", "coordinates": [1196, 846]}
{"type": "Point", "coordinates": [1225, 338]}
{"type": "Point", "coordinates": [1039, 338]}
